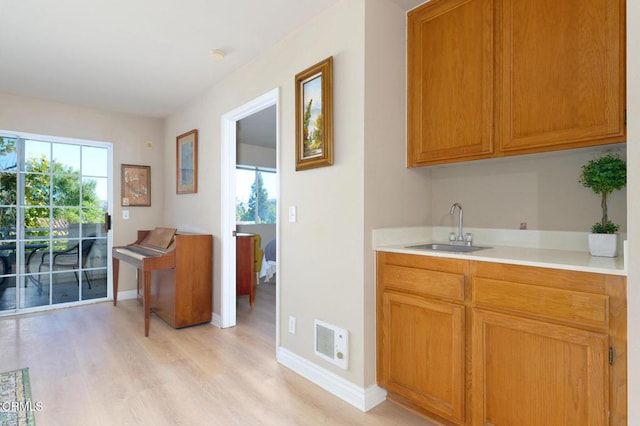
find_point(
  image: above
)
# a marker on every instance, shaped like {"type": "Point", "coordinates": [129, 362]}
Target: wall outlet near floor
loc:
{"type": "Point", "coordinates": [292, 325]}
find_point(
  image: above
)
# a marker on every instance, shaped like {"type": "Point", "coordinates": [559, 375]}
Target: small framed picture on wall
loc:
{"type": "Point", "coordinates": [135, 185]}
{"type": "Point", "coordinates": [187, 163]}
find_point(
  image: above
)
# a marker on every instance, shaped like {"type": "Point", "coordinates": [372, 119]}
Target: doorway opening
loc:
{"type": "Point", "coordinates": [247, 152]}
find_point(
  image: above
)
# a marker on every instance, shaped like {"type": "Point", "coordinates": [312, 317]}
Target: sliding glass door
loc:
{"type": "Point", "coordinates": [53, 201]}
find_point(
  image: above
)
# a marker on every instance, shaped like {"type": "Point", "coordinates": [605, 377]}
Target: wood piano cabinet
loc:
{"type": "Point", "coordinates": [182, 296]}
{"type": "Point", "coordinates": [174, 273]}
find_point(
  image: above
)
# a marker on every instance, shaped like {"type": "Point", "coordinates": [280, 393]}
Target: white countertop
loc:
{"type": "Point", "coordinates": [572, 260]}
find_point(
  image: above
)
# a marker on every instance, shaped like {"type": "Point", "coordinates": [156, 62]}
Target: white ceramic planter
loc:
{"type": "Point", "coordinates": [604, 245]}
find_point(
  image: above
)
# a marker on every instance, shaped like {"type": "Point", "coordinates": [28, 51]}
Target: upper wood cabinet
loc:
{"type": "Point", "coordinates": [490, 78]}
{"type": "Point", "coordinates": [450, 81]}
{"type": "Point", "coordinates": [561, 65]}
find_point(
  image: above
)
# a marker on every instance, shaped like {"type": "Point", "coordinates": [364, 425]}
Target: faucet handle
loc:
{"type": "Point", "coordinates": [452, 236]}
{"type": "Point", "coordinates": [468, 237]}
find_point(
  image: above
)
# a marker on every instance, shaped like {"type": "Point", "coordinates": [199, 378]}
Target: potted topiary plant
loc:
{"type": "Point", "coordinates": [604, 175]}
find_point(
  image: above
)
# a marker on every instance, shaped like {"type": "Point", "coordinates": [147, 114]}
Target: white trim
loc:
{"type": "Point", "coordinates": [228, 225]}
{"type": "Point", "coordinates": [228, 255]}
{"type": "Point", "coordinates": [56, 139]}
{"type": "Point", "coordinates": [361, 398]}
{"type": "Point", "coordinates": [216, 320]}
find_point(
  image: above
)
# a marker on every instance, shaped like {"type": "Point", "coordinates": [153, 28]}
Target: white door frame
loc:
{"type": "Point", "coordinates": [228, 204]}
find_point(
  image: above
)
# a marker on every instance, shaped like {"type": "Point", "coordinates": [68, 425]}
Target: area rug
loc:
{"type": "Point", "coordinates": [16, 406]}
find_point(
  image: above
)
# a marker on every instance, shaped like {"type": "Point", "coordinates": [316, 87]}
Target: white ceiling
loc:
{"type": "Point", "coordinates": [144, 57]}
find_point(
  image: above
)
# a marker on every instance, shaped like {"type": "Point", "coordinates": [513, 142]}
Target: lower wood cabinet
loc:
{"type": "Point", "coordinates": [418, 328]}
{"type": "Point", "coordinates": [483, 343]}
{"type": "Point", "coordinates": [529, 372]}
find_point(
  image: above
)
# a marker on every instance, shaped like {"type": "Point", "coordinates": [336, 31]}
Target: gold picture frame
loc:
{"type": "Point", "coordinates": [314, 116]}
{"type": "Point", "coordinates": [187, 163]}
{"type": "Point", "coordinates": [135, 185]}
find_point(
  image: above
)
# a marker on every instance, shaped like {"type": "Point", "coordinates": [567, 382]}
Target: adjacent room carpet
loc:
{"type": "Point", "coordinates": [16, 406]}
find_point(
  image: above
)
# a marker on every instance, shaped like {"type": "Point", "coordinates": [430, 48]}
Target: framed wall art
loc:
{"type": "Point", "coordinates": [187, 163]}
{"type": "Point", "coordinates": [135, 185]}
{"type": "Point", "coordinates": [314, 116]}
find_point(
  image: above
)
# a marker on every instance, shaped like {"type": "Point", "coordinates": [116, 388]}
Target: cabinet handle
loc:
{"type": "Point", "coordinates": [612, 355]}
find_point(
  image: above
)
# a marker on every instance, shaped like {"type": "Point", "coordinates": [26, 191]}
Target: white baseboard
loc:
{"type": "Point", "coordinates": [126, 295]}
{"type": "Point", "coordinates": [361, 398]}
{"type": "Point", "coordinates": [216, 320]}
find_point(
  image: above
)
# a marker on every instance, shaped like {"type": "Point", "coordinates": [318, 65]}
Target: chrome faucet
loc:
{"type": "Point", "coordinates": [461, 238]}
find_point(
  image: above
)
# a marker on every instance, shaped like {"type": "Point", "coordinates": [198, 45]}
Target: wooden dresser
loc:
{"type": "Point", "coordinates": [244, 267]}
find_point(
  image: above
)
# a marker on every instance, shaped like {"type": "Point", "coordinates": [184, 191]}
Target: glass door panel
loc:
{"type": "Point", "coordinates": [53, 245]}
{"type": "Point", "coordinates": [8, 221]}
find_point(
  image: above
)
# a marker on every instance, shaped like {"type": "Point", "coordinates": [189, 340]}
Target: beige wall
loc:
{"type": "Point", "coordinates": [394, 195]}
{"type": "Point", "coordinates": [633, 208]}
{"type": "Point", "coordinates": [267, 232]}
{"type": "Point", "coordinates": [322, 266]}
{"type": "Point", "coordinates": [541, 190]}
{"type": "Point", "coordinates": [127, 133]}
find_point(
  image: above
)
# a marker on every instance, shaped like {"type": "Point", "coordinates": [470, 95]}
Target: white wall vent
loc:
{"type": "Point", "coordinates": [331, 343]}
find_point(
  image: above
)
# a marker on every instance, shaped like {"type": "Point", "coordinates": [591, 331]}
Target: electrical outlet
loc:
{"type": "Point", "coordinates": [292, 325]}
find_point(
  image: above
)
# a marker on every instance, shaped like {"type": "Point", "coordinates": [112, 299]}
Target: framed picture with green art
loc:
{"type": "Point", "coordinates": [314, 116]}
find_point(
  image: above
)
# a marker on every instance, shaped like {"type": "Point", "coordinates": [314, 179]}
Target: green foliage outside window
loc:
{"type": "Point", "coordinates": [47, 184]}
{"type": "Point", "coordinates": [259, 208]}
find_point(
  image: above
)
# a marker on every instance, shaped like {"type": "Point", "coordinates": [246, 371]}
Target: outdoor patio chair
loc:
{"type": "Point", "coordinates": [70, 259]}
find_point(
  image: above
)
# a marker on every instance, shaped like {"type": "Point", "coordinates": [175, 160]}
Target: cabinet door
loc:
{"type": "Point", "coordinates": [529, 372]}
{"type": "Point", "coordinates": [450, 81]}
{"type": "Point", "coordinates": [423, 353]}
{"type": "Point", "coordinates": [562, 74]}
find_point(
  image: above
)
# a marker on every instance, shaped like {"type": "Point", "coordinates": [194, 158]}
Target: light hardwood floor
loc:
{"type": "Point", "coordinates": [92, 365]}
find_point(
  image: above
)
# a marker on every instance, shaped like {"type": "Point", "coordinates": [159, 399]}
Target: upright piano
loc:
{"type": "Point", "coordinates": [174, 273]}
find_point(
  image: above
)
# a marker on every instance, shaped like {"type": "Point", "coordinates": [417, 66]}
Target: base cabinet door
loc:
{"type": "Point", "coordinates": [528, 372]}
{"type": "Point", "coordinates": [423, 353]}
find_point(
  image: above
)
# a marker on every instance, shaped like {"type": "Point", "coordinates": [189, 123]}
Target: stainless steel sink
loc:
{"type": "Point", "coordinates": [447, 247]}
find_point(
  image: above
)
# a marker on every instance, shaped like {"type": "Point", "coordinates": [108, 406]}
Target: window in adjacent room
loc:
{"type": "Point", "coordinates": [255, 195]}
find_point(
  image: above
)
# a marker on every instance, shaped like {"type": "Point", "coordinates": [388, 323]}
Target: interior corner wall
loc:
{"type": "Point", "coordinates": [129, 135]}
{"type": "Point", "coordinates": [321, 258]}
{"type": "Point", "coordinates": [395, 196]}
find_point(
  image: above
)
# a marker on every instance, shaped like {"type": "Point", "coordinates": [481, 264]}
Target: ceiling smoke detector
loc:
{"type": "Point", "coordinates": [217, 54]}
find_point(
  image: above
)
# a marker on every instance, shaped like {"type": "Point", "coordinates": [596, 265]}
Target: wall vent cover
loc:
{"type": "Point", "coordinates": [331, 343]}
